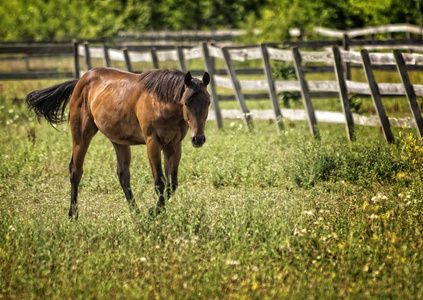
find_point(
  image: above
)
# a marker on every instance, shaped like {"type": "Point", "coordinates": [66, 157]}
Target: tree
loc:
{"type": "Point", "coordinates": [278, 16]}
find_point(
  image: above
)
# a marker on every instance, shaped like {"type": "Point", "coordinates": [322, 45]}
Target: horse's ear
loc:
{"type": "Point", "coordinates": [206, 78]}
{"type": "Point", "coordinates": [188, 78]}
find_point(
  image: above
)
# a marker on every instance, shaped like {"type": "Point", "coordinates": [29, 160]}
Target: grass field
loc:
{"type": "Point", "coordinates": [257, 215]}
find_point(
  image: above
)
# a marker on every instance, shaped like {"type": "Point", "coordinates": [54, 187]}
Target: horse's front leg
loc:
{"type": "Point", "coordinates": [155, 159]}
{"type": "Point", "coordinates": [172, 157]}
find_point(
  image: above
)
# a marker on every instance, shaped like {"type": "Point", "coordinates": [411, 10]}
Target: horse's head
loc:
{"type": "Point", "coordinates": [196, 102]}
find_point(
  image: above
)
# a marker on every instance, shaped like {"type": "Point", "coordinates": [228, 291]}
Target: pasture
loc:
{"type": "Point", "coordinates": [256, 215]}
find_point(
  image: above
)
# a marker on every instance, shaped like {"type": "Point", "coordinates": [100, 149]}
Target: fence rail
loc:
{"type": "Point", "coordinates": [335, 59]}
{"type": "Point", "coordinates": [352, 33]}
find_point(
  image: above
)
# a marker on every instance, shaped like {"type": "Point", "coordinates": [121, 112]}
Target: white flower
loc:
{"type": "Point", "coordinates": [231, 262]}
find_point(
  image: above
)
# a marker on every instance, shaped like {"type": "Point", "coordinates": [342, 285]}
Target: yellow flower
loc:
{"type": "Point", "coordinates": [400, 175]}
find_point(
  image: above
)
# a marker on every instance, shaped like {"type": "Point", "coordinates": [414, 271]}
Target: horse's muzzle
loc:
{"type": "Point", "coordinates": [198, 141]}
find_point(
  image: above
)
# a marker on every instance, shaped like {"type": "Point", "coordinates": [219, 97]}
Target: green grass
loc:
{"type": "Point", "coordinates": [257, 215]}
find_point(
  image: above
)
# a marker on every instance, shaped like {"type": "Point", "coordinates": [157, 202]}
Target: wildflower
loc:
{"type": "Point", "coordinates": [288, 250]}
{"type": "Point", "coordinates": [296, 233]}
{"type": "Point", "coordinates": [378, 198]}
{"type": "Point", "coordinates": [143, 259]}
{"type": "Point", "coordinates": [248, 234]}
{"type": "Point", "coordinates": [374, 217]}
{"type": "Point", "coordinates": [400, 175]}
{"type": "Point", "coordinates": [231, 262]}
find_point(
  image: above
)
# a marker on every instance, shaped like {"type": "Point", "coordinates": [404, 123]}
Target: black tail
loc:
{"type": "Point", "coordinates": [51, 102]}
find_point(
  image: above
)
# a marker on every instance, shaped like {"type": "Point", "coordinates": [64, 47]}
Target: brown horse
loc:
{"type": "Point", "coordinates": [154, 108]}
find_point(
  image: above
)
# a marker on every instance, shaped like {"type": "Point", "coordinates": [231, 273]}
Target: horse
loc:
{"type": "Point", "coordinates": [155, 108]}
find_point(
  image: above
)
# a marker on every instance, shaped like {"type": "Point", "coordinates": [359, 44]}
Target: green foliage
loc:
{"type": "Point", "coordinates": [315, 162]}
{"type": "Point", "coordinates": [411, 151]}
{"type": "Point", "coordinates": [66, 19]}
{"type": "Point", "coordinates": [285, 71]}
{"type": "Point", "coordinates": [278, 16]}
{"type": "Point", "coordinates": [265, 20]}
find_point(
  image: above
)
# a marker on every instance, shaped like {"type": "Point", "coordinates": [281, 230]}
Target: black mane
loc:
{"type": "Point", "coordinates": [167, 85]}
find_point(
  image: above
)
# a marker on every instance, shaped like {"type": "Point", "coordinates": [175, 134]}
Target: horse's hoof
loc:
{"type": "Point", "coordinates": [72, 217]}
{"type": "Point", "coordinates": [156, 210]}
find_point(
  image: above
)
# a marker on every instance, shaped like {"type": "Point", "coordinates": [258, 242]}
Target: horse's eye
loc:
{"type": "Point", "coordinates": [186, 104]}
{"type": "Point", "coordinates": [209, 104]}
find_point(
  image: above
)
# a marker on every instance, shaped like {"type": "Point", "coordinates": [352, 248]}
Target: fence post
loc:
{"type": "Point", "coordinates": [106, 56]}
{"type": "Point", "coordinates": [374, 89]}
{"type": "Point", "coordinates": [181, 58]}
{"type": "Point", "coordinates": [349, 121]}
{"type": "Point", "coordinates": [154, 58]}
{"type": "Point", "coordinates": [237, 88]}
{"type": "Point", "coordinates": [305, 94]}
{"type": "Point", "coordinates": [409, 90]}
{"type": "Point", "coordinates": [87, 55]}
{"type": "Point", "coordinates": [272, 88]}
{"type": "Point", "coordinates": [346, 46]}
{"type": "Point", "coordinates": [127, 59]}
{"type": "Point", "coordinates": [27, 63]}
{"type": "Point", "coordinates": [214, 99]}
{"type": "Point", "coordinates": [75, 59]}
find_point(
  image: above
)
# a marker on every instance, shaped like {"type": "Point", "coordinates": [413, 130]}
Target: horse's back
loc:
{"type": "Point", "coordinates": [109, 97]}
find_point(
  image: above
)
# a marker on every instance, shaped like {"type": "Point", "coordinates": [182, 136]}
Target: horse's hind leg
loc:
{"type": "Point", "coordinates": [123, 154]}
{"type": "Point", "coordinates": [172, 157]}
{"type": "Point", "coordinates": [82, 134]}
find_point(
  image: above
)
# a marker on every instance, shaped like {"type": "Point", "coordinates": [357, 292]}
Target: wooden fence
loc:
{"type": "Point", "coordinates": [353, 33]}
{"type": "Point", "coordinates": [335, 59]}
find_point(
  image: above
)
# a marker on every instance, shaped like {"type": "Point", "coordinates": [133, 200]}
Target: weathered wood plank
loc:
{"type": "Point", "coordinates": [36, 75]}
{"type": "Point", "coordinates": [215, 52]}
{"type": "Point", "coordinates": [139, 56]}
{"type": "Point", "coordinates": [208, 64]}
{"type": "Point", "coordinates": [312, 122]}
{"type": "Point", "coordinates": [127, 60]}
{"type": "Point", "coordinates": [116, 55]}
{"type": "Point", "coordinates": [167, 55]}
{"type": "Point", "coordinates": [245, 54]}
{"type": "Point", "coordinates": [323, 86]}
{"type": "Point", "coordinates": [317, 56]}
{"type": "Point", "coordinates": [75, 60]}
{"type": "Point", "coordinates": [393, 43]}
{"type": "Point", "coordinates": [368, 31]}
{"type": "Point", "coordinates": [87, 56]}
{"type": "Point", "coordinates": [193, 53]}
{"type": "Point", "coordinates": [38, 49]}
{"type": "Point", "coordinates": [279, 54]}
{"type": "Point", "coordinates": [376, 96]}
{"type": "Point", "coordinates": [106, 56]}
{"type": "Point", "coordinates": [237, 87]}
{"type": "Point", "coordinates": [181, 59]}
{"type": "Point", "coordinates": [154, 58]}
{"type": "Point", "coordinates": [411, 95]}
{"type": "Point", "coordinates": [271, 87]}
{"type": "Point", "coordinates": [255, 96]}
{"type": "Point", "coordinates": [321, 116]}
{"type": "Point", "coordinates": [343, 93]}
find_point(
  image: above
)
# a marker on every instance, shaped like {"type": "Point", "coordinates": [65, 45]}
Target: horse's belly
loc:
{"type": "Point", "coordinates": [125, 130]}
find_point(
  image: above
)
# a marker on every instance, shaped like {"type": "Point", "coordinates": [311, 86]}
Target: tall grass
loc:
{"type": "Point", "coordinates": [257, 215]}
